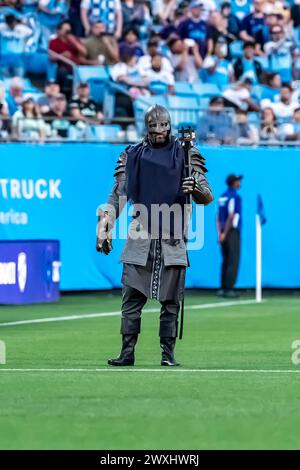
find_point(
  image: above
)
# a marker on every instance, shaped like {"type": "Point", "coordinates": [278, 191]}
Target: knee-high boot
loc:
{"type": "Point", "coordinates": [167, 345]}
{"type": "Point", "coordinates": [126, 357]}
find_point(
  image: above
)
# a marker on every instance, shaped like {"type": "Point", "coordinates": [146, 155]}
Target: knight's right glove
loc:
{"type": "Point", "coordinates": [104, 236]}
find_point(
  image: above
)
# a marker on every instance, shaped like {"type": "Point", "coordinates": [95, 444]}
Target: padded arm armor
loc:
{"type": "Point", "coordinates": [202, 193]}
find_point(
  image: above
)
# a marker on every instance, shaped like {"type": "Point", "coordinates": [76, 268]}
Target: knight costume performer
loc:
{"type": "Point", "coordinates": [150, 174]}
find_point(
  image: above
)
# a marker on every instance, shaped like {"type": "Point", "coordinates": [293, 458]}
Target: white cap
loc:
{"type": "Point", "coordinates": [16, 82]}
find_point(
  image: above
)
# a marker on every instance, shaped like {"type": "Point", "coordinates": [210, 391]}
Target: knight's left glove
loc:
{"type": "Point", "coordinates": [188, 185]}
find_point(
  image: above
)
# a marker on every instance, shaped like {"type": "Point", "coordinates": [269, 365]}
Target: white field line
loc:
{"type": "Point", "coordinates": [161, 370]}
{"type": "Point", "coordinates": [117, 313]}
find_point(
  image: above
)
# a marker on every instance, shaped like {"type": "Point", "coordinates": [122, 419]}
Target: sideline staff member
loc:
{"type": "Point", "coordinates": [229, 228]}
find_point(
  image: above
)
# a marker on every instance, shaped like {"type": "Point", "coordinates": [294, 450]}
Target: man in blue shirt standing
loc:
{"type": "Point", "coordinates": [229, 220]}
{"type": "Point", "coordinates": [195, 27]}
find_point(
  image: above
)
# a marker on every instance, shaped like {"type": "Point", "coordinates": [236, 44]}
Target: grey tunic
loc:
{"type": "Point", "coordinates": [155, 280]}
{"type": "Point", "coordinates": [155, 267]}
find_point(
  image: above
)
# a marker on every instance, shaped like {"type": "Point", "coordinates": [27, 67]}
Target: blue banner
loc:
{"type": "Point", "coordinates": [52, 191]}
{"type": "Point", "coordinates": [29, 271]}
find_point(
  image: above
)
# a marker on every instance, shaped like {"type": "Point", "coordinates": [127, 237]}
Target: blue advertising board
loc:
{"type": "Point", "coordinates": [52, 191]}
{"type": "Point", "coordinates": [29, 271]}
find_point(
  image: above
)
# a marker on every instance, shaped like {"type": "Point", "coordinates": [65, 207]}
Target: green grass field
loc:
{"type": "Point", "coordinates": [224, 396]}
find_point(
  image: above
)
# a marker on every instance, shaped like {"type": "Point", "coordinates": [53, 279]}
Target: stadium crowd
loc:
{"type": "Point", "coordinates": [246, 52]}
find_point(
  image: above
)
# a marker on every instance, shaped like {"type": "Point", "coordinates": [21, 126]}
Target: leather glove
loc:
{"type": "Point", "coordinates": [104, 236]}
{"type": "Point", "coordinates": [188, 185]}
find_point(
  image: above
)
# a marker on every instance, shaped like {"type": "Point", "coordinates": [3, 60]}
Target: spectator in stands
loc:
{"type": "Point", "coordinates": [108, 12]}
{"type": "Point", "coordinates": [185, 59]}
{"type": "Point", "coordinates": [295, 16]}
{"type": "Point", "coordinates": [131, 43]}
{"type": "Point", "coordinates": [158, 74]}
{"type": "Point", "coordinates": [51, 14]}
{"type": "Point", "coordinates": [253, 22]}
{"type": "Point", "coordinates": [15, 95]}
{"type": "Point", "coordinates": [233, 23]}
{"type": "Point", "coordinates": [246, 133]}
{"type": "Point", "coordinates": [67, 45]}
{"type": "Point", "coordinates": [27, 122]}
{"type": "Point", "coordinates": [164, 10]}
{"type": "Point", "coordinates": [277, 7]}
{"type": "Point", "coordinates": [126, 70]}
{"type": "Point", "coordinates": [209, 6]}
{"type": "Point", "coordinates": [218, 32]}
{"type": "Point", "coordinates": [75, 18]}
{"type": "Point", "coordinates": [79, 128]}
{"type": "Point", "coordinates": [283, 108]}
{"type": "Point", "coordinates": [195, 27]}
{"type": "Point", "coordinates": [4, 125]}
{"type": "Point", "coordinates": [280, 51]}
{"type": "Point", "coordinates": [272, 87]}
{"type": "Point", "coordinates": [171, 27]}
{"type": "Point", "coordinates": [13, 39]}
{"type": "Point", "coordinates": [67, 50]}
{"type": "Point", "coordinates": [136, 14]}
{"type": "Point", "coordinates": [58, 118]}
{"type": "Point", "coordinates": [89, 110]}
{"type": "Point", "coordinates": [102, 48]}
{"type": "Point", "coordinates": [268, 126]}
{"type": "Point", "coordinates": [238, 95]}
{"type": "Point", "coordinates": [291, 131]}
{"type": "Point", "coordinates": [145, 62]}
{"type": "Point", "coordinates": [263, 35]}
{"type": "Point", "coordinates": [216, 127]}
{"type": "Point", "coordinates": [4, 114]}
{"type": "Point", "coordinates": [216, 69]}
{"type": "Point", "coordinates": [247, 66]}
{"type": "Point", "coordinates": [17, 4]}
{"type": "Point", "coordinates": [126, 73]}
{"type": "Point", "coordinates": [51, 89]}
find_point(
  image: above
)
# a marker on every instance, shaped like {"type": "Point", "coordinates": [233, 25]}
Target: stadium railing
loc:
{"type": "Point", "coordinates": [70, 129]}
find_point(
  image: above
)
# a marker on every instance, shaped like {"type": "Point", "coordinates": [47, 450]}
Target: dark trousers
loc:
{"type": "Point", "coordinates": [231, 258]}
{"type": "Point", "coordinates": [133, 302]}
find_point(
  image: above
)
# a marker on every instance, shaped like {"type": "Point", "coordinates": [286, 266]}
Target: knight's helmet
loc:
{"type": "Point", "coordinates": [157, 119]}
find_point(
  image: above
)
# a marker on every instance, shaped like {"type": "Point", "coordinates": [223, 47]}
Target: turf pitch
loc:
{"type": "Point", "coordinates": [226, 395]}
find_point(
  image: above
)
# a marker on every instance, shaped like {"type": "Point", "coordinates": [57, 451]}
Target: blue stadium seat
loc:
{"type": "Point", "coordinates": [254, 118]}
{"type": "Point", "coordinates": [183, 89]}
{"type": "Point", "coordinates": [37, 63]}
{"type": "Point", "coordinates": [263, 61]}
{"type": "Point", "coordinates": [158, 88]}
{"type": "Point", "coordinates": [84, 73]}
{"type": "Point", "coordinates": [106, 133]}
{"type": "Point", "coordinates": [183, 102]}
{"type": "Point", "coordinates": [204, 103]}
{"type": "Point", "coordinates": [236, 49]}
{"type": "Point", "coordinates": [9, 11]}
{"type": "Point", "coordinates": [205, 89]}
{"type": "Point", "coordinates": [96, 76]}
{"type": "Point", "coordinates": [183, 110]}
{"type": "Point", "coordinates": [30, 7]}
{"type": "Point", "coordinates": [257, 92]}
{"type": "Point", "coordinates": [51, 71]}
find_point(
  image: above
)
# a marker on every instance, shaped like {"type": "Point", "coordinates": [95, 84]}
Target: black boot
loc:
{"type": "Point", "coordinates": [126, 358]}
{"type": "Point", "coordinates": [167, 345]}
